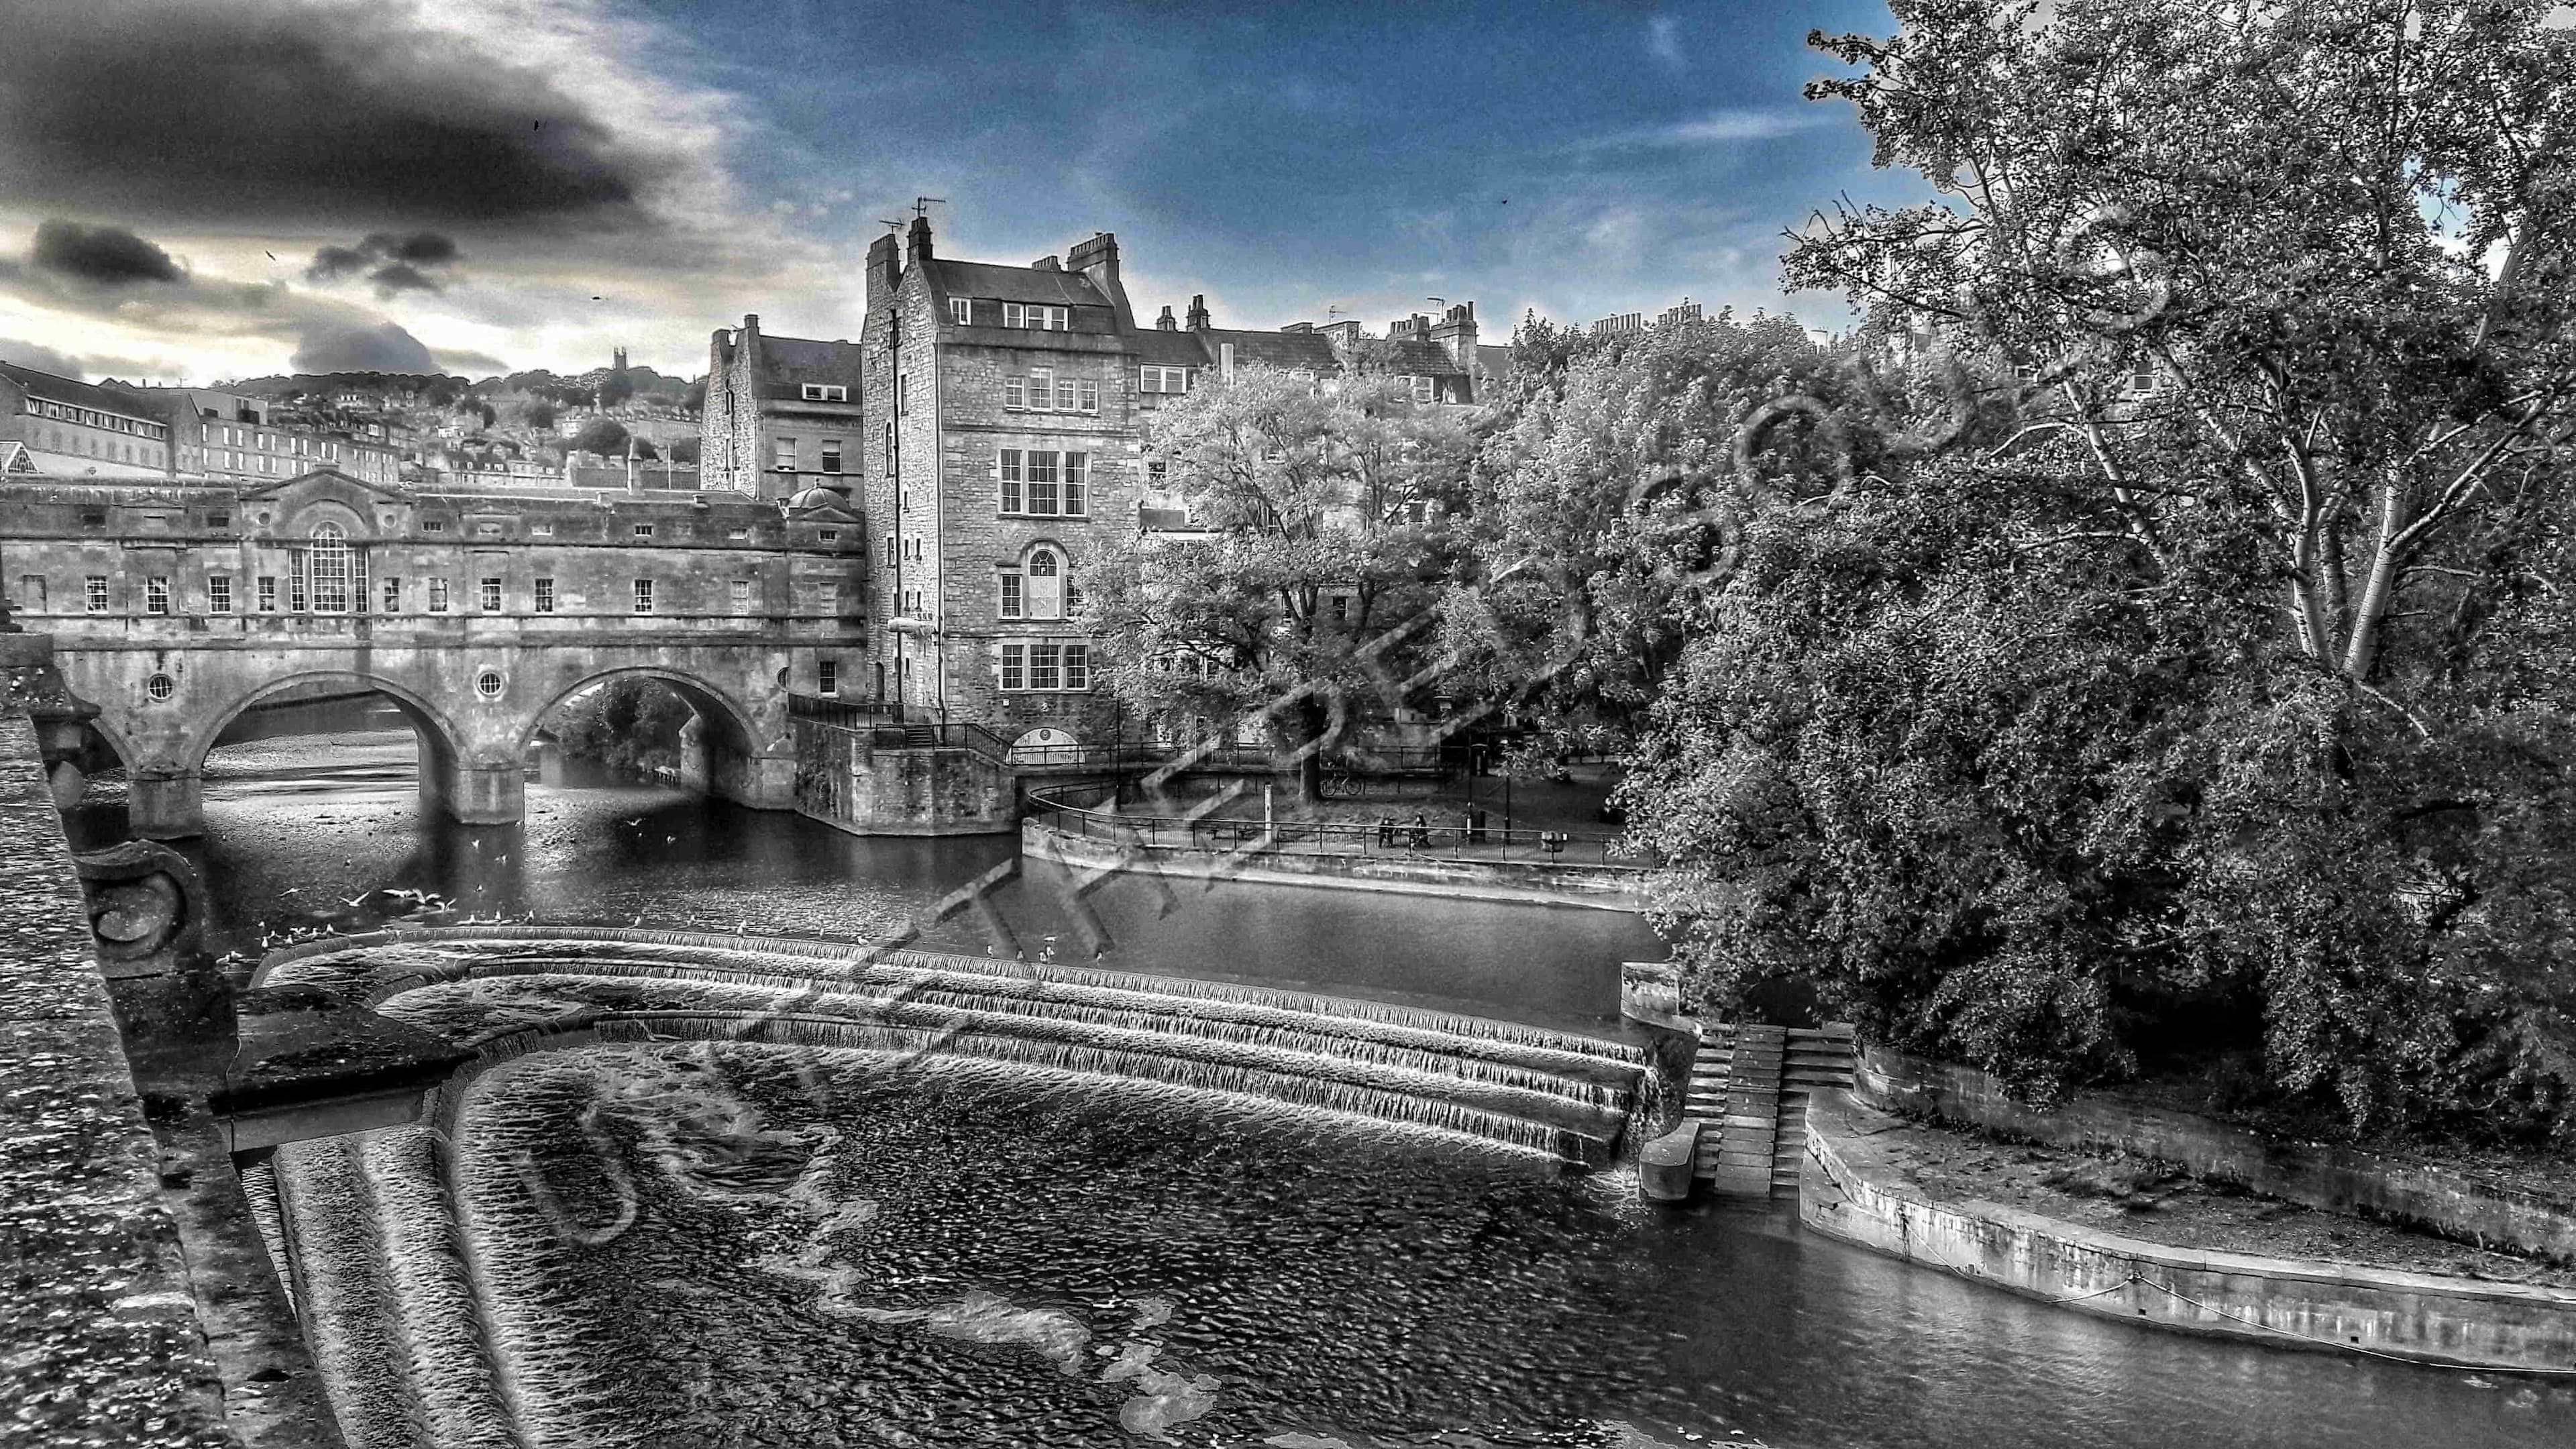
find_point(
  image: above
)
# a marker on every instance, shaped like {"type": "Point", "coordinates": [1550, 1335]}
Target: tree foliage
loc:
{"type": "Point", "coordinates": [1324, 522]}
{"type": "Point", "coordinates": [604, 436]}
{"type": "Point", "coordinates": [2233, 704]}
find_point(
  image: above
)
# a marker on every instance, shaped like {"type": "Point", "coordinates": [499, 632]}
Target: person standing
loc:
{"type": "Point", "coordinates": [1421, 831]}
{"type": "Point", "coordinates": [1386, 828]}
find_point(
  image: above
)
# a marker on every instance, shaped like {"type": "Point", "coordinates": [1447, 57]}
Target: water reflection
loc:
{"type": "Point", "coordinates": [1318, 1283]}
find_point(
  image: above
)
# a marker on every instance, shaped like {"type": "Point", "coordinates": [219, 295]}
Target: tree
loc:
{"type": "Point", "coordinates": [603, 436]}
{"type": "Point", "coordinates": [1606, 496]}
{"type": "Point", "coordinates": [2214, 695]}
{"type": "Point", "coordinates": [615, 390]}
{"type": "Point", "coordinates": [1326, 511]}
{"type": "Point", "coordinates": [685, 451]}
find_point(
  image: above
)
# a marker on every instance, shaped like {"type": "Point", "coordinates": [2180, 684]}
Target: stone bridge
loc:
{"type": "Point", "coordinates": [176, 608]}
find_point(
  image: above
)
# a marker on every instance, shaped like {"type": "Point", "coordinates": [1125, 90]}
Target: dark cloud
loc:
{"type": "Point", "coordinates": [39, 357]}
{"type": "Point", "coordinates": [357, 347]}
{"type": "Point", "coordinates": [301, 110]}
{"type": "Point", "coordinates": [106, 256]}
{"type": "Point", "coordinates": [400, 277]}
{"type": "Point", "coordinates": [469, 362]}
{"type": "Point", "coordinates": [426, 248]}
{"type": "Point", "coordinates": [332, 263]}
{"type": "Point", "coordinates": [396, 259]}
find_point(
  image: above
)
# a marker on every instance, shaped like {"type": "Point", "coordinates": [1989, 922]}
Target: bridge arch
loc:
{"type": "Point", "coordinates": [438, 734]}
{"type": "Point", "coordinates": [729, 722]}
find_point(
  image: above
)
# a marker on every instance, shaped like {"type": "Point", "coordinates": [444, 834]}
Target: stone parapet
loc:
{"type": "Point", "coordinates": [1599, 887]}
{"type": "Point", "coordinates": [1855, 1185]}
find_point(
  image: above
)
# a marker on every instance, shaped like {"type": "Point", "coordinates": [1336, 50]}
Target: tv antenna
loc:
{"type": "Point", "coordinates": [1437, 301]}
{"type": "Point", "coordinates": [921, 204]}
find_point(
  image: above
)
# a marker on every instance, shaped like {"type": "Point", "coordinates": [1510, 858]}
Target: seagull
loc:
{"type": "Point", "coordinates": [667, 839]}
{"type": "Point", "coordinates": [635, 820]}
{"type": "Point", "coordinates": [292, 890]}
{"type": "Point", "coordinates": [353, 902]}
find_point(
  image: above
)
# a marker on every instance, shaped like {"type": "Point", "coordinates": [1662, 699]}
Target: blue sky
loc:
{"type": "Point", "coordinates": [711, 159]}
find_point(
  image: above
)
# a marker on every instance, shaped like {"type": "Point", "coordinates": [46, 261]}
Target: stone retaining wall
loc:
{"type": "Point", "coordinates": [99, 1337]}
{"type": "Point", "coordinates": [1610, 888]}
{"type": "Point", "coordinates": [1856, 1189]}
{"type": "Point", "coordinates": [2452, 1204]}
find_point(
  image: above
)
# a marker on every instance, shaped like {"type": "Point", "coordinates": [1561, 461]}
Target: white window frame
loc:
{"type": "Point", "coordinates": [1425, 388]}
{"type": "Point", "coordinates": [644, 596]}
{"type": "Point", "coordinates": [1043, 317]}
{"type": "Point", "coordinates": [826, 392]}
{"type": "Point", "coordinates": [488, 594]}
{"type": "Point", "coordinates": [738, 596]}
{"type": "Point", "coordinates": [1156, 378]}
{"type": "Point", "coordinates": [545, 594]}
{"type": "Point", "coordinates": [156, 594]}
{"type": "Point", "coordinates": [1020, 472]}
{"type": "Point", "coordinates": [782, 455]}
{"type": "Point", "coordinates": [961, 310]}
{"type": "Point", "coordinates": [219, 593]}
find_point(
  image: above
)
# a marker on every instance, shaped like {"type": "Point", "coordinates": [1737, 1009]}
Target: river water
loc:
{"type": "Point", "coordinates": [1282, 1281]}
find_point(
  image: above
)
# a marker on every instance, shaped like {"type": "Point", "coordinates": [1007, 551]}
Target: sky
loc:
{"type": "Point", "coordinates": [198, 190]}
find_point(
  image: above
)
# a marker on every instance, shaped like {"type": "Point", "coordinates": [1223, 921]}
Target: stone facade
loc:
{"type": "Point", "coordinates": [979, 551]}
{"type": "Point", "coordinates": [174, 608]}
{"type": "Point", "coordinates": [781, 413]}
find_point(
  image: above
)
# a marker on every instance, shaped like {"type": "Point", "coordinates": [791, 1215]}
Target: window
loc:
{"type": "Point", "coordinates": [329, 569]}
{"type": "Point", "coordinates": [1045, 484]}
{"type": "Point", "coordinates": [219, 593]}
{"type": "Point", "coordinates": [489, 684]}
{"type": "Point", "coordinates": [160, 686]}
{"type": "Point", "coordinates": [219, 520]}
{"type": "Point", "coordinates": [1425, 389]}
{"type": "Point", "coordinates": [1087, 398]}
{"type": "Point", "coordinates": [831, 455]}
{"type": "Point", "coordinates": [433, 525]}
{"type": "Point", "coordinates": [1163, 379]}
{"type": "Point", "coordinates": [1045, 319]}
{"type": "Point", "coordinates": [267, 592]}
{"type": "Point", "coordinates": [1077, 666]}
{"type": "Point", "coordinates": [643, 596]}
{"type": "Point", "coordinates": [1014, 604]}
{"type": "Point", "coordinates": [889, 448]}
{"type": "Point", "coordinates": [1046, 666]}
{"type": "Point", "coordinates": [393, 596]}
{"type": "Point", "coordinates": [889, 550]}
{"type": "Point", "coordinates": [643, 530]}
{"type": "Point", "coordinates": [1041, 469]}
{"type": "Point", "coordinates": [541, 530]}
{"type": "Point", "coordinates": [94, 594]}
{"type": "Point", "coordinates": [438, 596]}
{"type": "Point", "coordinates": [828, 535]}
{"type": "Point", "coordinates": [827, 676]}
{"type": "Point", "coordinates": [1015, 666]}
{"type": "Point", "coordinates": [826, 392]}
{"type": "Point", "coordinates": [902, 393]}
{"type": "Point", "coordinates": [545, 595]}
{"type": "Point", "coordinates": [782, 455]}
{"type": "Point", "coordinates": [491, 600]}
{"type": "Point", "coordinates": [1041, 390]}
{"type": "Point", "coordinates": [1046, 584]}
{"type": "Point", "coordinates": [961, 310]}
{"type": "Point", "coordinates": [738, 592]}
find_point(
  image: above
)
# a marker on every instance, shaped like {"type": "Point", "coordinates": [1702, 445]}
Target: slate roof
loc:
{"type": "Point", "coordinates": [1170, 349]}
{"type": "Point", "coordinates": [1313, 351]}
{"type": "Point", "coordinates": [82, 394]}
{"type": "Point", "coordinates": [786, 363]}
{"type": "Point", "coordinates": [1014, 284]}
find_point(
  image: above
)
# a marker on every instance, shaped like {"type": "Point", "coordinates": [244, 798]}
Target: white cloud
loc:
{"type": "Point", "coordinates": [1664, 42]}
{"type": "Point", "coordinates": [1719, 127]}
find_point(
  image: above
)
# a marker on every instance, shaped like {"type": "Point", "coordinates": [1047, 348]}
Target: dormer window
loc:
{"type": "Point", "coordinates": [1045, 319]}
{"type": "Point", "coordinates": [961, 310]}
{"type": "Point", "coordinates": [826, 392]}
{"type": "Point", "coordinates": [1163, 379]}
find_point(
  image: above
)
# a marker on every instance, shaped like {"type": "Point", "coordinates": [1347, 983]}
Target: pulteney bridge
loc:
{"type": "Point", "coordinates": [175, 607]}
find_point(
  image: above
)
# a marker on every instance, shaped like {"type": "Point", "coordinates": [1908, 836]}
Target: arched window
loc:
{"type": "Point", "coordinates": [1046, 584]}
{"type": "Point", "coordinates": [329, 560]}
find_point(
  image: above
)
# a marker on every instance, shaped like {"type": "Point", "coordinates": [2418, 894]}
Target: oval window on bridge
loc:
{"type": "Point", "coordinates": [160, 686]}
{"type": "Point", "coordinates": [488, 684]}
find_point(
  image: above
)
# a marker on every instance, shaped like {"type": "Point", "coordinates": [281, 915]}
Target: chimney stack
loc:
{"type": "Point", "coordinates": [1096, 257]}
{"type": "Point", "coordinates": [1456, 334]}
{"type": "Point", "coordinates": [917, 248]}
{"type": "Point", "coordinates": [1165, 322]}
{"type": "Point", "coordinates": [1199, 313]}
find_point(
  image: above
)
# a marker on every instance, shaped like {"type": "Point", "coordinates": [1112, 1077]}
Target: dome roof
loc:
{"type": "Point", "coordinates": [817, 497]}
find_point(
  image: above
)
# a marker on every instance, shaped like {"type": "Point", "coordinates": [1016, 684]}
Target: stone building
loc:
{"type": "Point", "coordinates": [781, 413]}
{"type": "Point", "coordinates": [1003, 410]}
{"type": "Point", "coordinates": [56, 425]}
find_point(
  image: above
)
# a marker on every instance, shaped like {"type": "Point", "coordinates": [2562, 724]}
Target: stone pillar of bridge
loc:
{"type": "Point", "coordinates": [763, 782]}
{"type": "Point", "coordinates": [166, 804]}
{"type": "Point", "coordinates": [473, 792]}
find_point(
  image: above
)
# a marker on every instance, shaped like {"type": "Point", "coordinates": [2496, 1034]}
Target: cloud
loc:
{"type": "Point", "coordinates": [358, 347]}
{"type": "Point", "coordinates": [469, 362]}
{"type": "Point", "coordinates": [401, 277]}
{"type": "Point", "coordinates": [41, 358]}
{"type": "Point", "coordinates": [1717, 128]}
{"type": "Point", "coordinates": [75, 277]}
{"type": "Point", "coordinates": [299, 110]}
{"type": "Point", "coordinates": [1664, 42]}
{"type": "Point", "coordinates": [104, 256]}
{"type": "Point", "coordinates": [396, 261]}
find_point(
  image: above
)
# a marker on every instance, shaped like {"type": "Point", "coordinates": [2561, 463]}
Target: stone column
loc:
{"type": "Point", "coordinates": [474, 794]}
{"type": "Point", "coordinates": [166, 805]}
